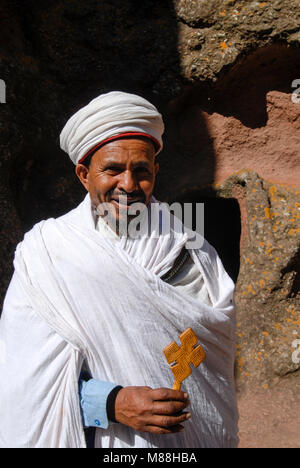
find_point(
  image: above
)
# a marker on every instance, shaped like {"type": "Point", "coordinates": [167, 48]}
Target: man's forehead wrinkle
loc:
{"type": "Point", "coordinates": [126, 156]}
{"type": "Point", "coordinates": [122, 149]}
{"type": "Point", "coordinates": [132, 163]}
{"type": "Point", "coordinates": [130, 145]}
{"type": "Point", "coordinates": [125, 152]}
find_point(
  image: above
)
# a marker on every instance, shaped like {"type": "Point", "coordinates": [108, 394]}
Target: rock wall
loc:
{"type": "Point", "coordinates": [221, 72]}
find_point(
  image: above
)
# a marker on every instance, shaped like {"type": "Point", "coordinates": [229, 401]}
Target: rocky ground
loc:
{"type": "Point", "coordinates": [269, 418]}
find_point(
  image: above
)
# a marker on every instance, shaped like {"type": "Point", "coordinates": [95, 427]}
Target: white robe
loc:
{"type": "Point", "coordinates": [77, 296]}
{"type": "Point", "coordinates": [188, 280]}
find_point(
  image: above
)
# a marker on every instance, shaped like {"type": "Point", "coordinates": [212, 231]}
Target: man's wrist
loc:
{"type": "Point", "coordinates": [110, 403]}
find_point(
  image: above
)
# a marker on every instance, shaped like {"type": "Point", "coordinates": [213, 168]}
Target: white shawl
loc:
{"type": "Point", "coordinates": [106, 304]}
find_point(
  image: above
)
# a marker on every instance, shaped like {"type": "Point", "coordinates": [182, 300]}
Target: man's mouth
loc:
{"type": "Point", "coordinates": [125, 202]}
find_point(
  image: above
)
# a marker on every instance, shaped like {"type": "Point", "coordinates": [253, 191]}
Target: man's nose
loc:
{"type": "Point", "coordinates": [128, 182]}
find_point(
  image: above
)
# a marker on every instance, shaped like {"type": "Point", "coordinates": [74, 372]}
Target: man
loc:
{"type": "Point", "coordinates": [90, 294]}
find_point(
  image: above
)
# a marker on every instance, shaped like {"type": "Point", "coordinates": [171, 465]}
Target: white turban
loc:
{"type": "Point", "coordinates": [107, 117]}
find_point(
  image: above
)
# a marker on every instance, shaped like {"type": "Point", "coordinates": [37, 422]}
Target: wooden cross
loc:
{"type": "Point", "coordinates": [183, 356]}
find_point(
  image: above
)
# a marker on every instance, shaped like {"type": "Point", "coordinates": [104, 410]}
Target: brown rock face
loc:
{"type": "Point", "coordinates": [268, 283]}
{"type": "Point", "coordinates": [249, 119]}
{"type": "Point", "coordinates": [272, 150]}
{"type": "Point", "coordinates": [223, 74]}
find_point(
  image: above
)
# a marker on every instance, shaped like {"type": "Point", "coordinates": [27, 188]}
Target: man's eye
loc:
{"type": "Point", "coordinates": [142, 169]}
{"type": "Point", "coordinates": [113, 169]}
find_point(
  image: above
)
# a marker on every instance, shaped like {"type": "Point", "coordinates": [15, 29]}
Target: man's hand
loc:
{"type": "Point", "coordinates": [159, 411]}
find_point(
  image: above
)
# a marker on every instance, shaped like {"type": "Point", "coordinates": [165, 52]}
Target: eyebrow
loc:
{"type": "Point", "coordinates": [112, 162]}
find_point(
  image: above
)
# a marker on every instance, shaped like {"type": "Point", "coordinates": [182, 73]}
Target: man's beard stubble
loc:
{"type": "Point", "coordinates": [130, 221]}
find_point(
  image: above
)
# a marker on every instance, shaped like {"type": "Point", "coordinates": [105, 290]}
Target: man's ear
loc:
{"type": "Point", "coordinates": [82, 173]}
{"type": "Point", "coordinates": [156, 168]}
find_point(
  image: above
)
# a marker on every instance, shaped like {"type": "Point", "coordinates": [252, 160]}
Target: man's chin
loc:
{"type": "Point", "coordinates": [118, 216]}
{"type": "Point", "coordinates": [118, 221]}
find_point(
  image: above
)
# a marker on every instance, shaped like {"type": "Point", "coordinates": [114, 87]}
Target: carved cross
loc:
{"type": "Point", "coordinates": [184, 355]}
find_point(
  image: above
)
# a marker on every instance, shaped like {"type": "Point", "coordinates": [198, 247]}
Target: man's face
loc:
{"type": "Point", "coordinates": [122, 172]}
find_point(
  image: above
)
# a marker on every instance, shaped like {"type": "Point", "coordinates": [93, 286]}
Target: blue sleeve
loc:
{"type": "Point", "coordinates": [92, 396]}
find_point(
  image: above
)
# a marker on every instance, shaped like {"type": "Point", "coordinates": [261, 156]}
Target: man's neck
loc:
{"type": "Point", "coordinates": [117, 229]}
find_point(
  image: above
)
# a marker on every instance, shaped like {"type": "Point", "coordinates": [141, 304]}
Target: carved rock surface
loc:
{"type": "Point", "coordinates": [267, 293]}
